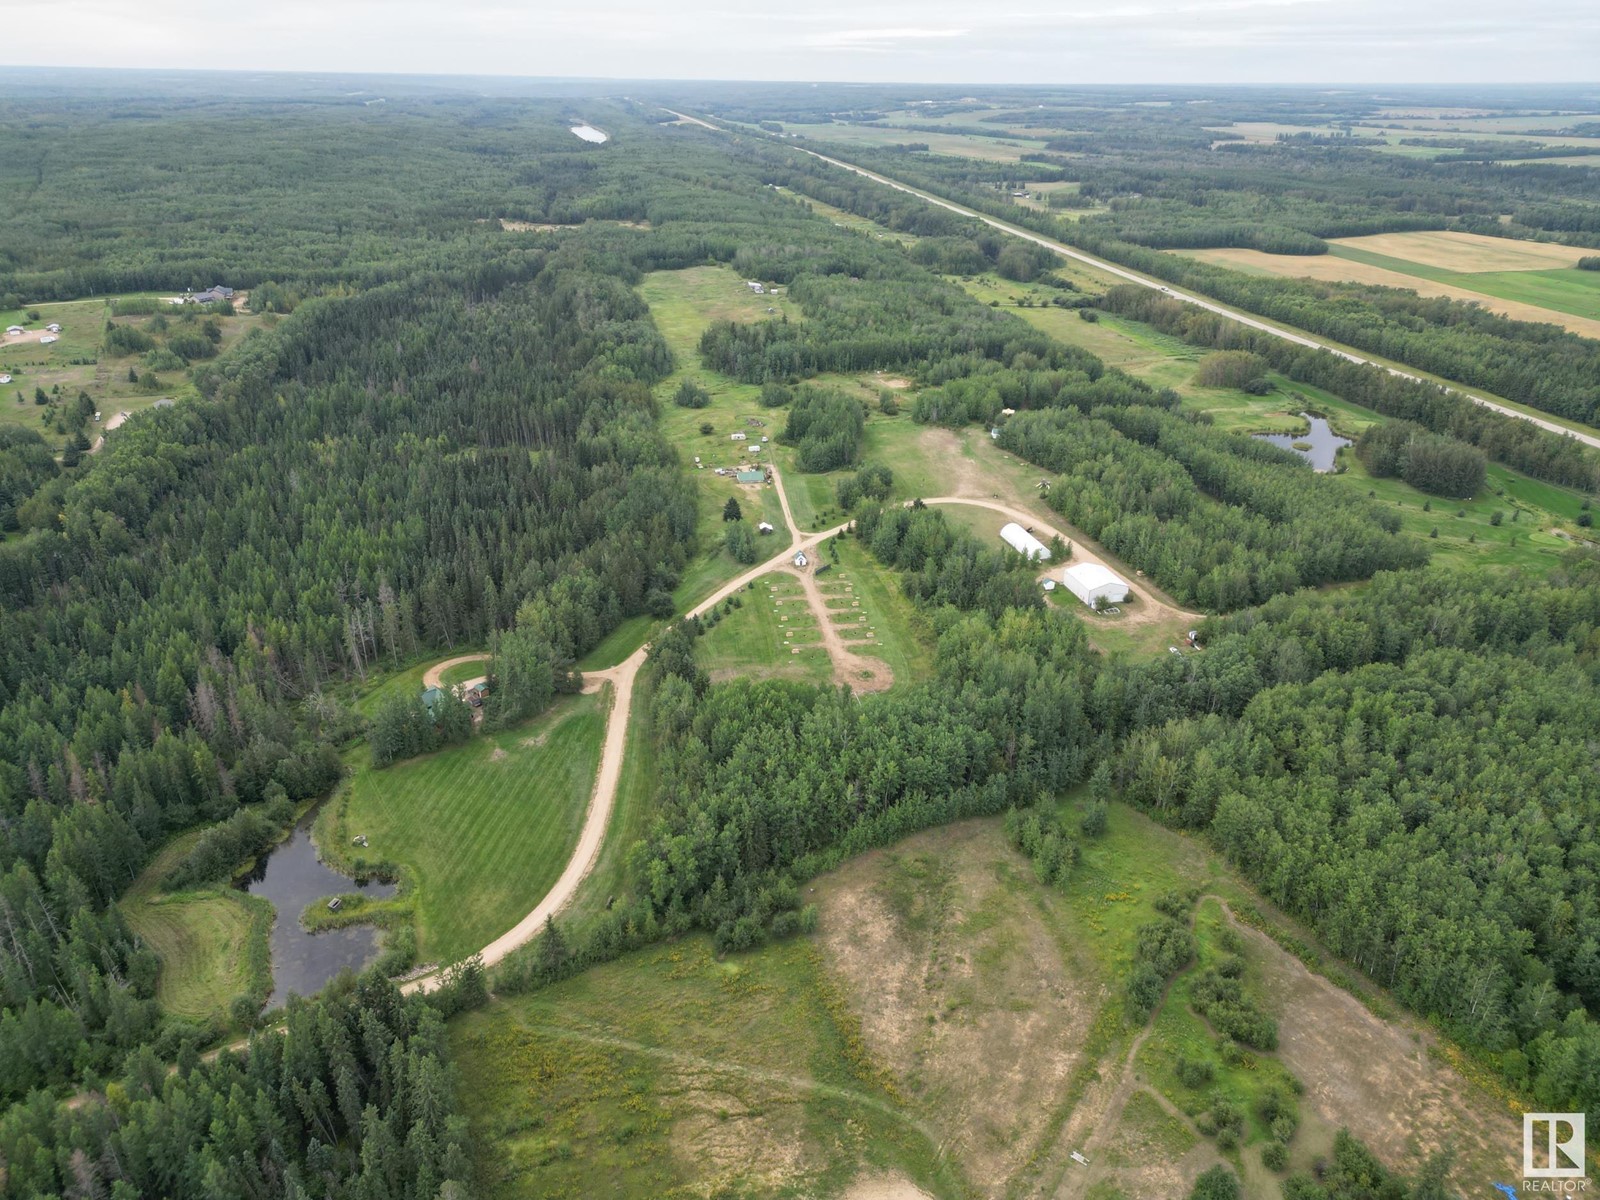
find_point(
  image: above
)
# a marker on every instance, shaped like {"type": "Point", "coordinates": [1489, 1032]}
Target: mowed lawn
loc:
{"type": "Point", "coordinates": [760, 637]}
{"type": "Point", "coordinates": [199, 936]}
{"type": "Point", "coordinates": [482, 830]}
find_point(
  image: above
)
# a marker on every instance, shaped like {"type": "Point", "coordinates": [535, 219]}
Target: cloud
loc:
{"type": "Point", "coordinates": [848, 39]}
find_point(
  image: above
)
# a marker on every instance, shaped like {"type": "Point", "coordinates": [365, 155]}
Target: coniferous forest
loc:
{"type": "Point", "coordinates": [455, 440]}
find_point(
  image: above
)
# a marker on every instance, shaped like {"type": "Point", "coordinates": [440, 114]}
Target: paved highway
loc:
{"type": "Point", "coordinates": [1111, 268]}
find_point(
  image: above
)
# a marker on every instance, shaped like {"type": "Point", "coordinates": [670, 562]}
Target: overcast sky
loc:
{"type": "Point", "coordinates": [945, 41]}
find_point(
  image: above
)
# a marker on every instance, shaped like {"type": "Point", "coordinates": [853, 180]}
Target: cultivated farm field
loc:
{"type": "Point", "coordinates": [1527, 281]}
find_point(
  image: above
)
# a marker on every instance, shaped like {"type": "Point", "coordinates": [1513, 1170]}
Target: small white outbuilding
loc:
{"type": "Point", "coordinates": [1020, 540]}
{"type": "Point", "coordinates": [1095, 584]}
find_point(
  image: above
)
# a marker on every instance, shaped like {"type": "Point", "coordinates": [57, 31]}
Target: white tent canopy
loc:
{"type": "Point", "coordinates": [1020, 540]}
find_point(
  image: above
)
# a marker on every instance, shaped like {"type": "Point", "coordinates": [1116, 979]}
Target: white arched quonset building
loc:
{"type": "Point", "coordinates": [1094, 584]}
{"type": "Point", "coordinates": [1024, 543]}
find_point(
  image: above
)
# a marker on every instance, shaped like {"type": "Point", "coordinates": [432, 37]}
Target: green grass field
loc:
{"type": "Point", "coordinates": [1567, 290]}
{"type": "Point", "coordinates": [796, 1068]}
{"type": "Point", "coordinates": [670, 1069]}
{"type": "Point", "coordinates": [462, 672]}
{"type": "Point", "coordinates": [211, 941]}
{"type": "Point", "coordinates": [479, 831]}
{"type": "Point", "coordinates": [900, 633]}
{"type": "Point", "coordinates": [759, 639]}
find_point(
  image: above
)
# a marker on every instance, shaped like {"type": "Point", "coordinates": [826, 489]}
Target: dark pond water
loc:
{"type": "Point", "coordinates": [1324, 442]}
{"type": "Point", "coordinates": [292, 876]}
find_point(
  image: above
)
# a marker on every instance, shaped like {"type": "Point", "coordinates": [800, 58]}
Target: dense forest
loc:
{"type": "Point", "coordinates": [452, 441]}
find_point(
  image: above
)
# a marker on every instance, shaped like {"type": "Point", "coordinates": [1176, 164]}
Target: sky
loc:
{"type": "Point", "coordinates": [933, 41]}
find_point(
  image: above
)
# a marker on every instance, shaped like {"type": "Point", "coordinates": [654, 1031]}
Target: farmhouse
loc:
{"type": "Point", "coordinates": [1094, 584]}
{"type": "Point", "coordinates": [430, 699]}
{"type": "Point", "coordinates": [212, 294]}
{"type": "Point", "coordinates": [1020, 540]}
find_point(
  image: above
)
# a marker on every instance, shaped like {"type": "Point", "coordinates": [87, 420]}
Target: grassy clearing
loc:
{"type": "Point", "coordinates": [1180, 1033]}
{"type": "Point", "coordinates": [670, 1069]}
{"type": "Point", "coordinates": [78, 362]}
{"type": "Point", "coordinates": [771, 634]}
{"type": "Point", "coordinates": [1529, 509]}
{"type": "Point", "coordinates": [947, 1000]}
{"type": "Point", "coordinates": [893, 629]}
{"type": "Point", "coordinates": [462, 672]}
{"type": "Point", "coordinates": [211, 941]}
{"type": "Point", "coordinates": [1563, 290]}
{"type": "Point", "coordinates": [479, 831]}
{"type": "Point", "coordinates": [961, 145]}
{"type": "Point", "coordinates": [405, 679]}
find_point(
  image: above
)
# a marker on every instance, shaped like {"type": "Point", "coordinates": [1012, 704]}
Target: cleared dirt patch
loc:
{"type": "Point", "coordinates": [1378, 1079]}
{"type": "Point", "coordinates": [944, 952]}
{"type": "Point", "coordinates": [1466, 251]}
{"type": "Point", "coordinates": [850, 668]}
{"type": "Point", "coordinates": [1332, 269]}
{"type": "Point", "coordinates": [884, 1187]}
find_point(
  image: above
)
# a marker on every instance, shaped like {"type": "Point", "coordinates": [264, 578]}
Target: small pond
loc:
{"type": "Point", "coordinates": [292, 877]}
{"type": "Point", "coordinates": [1320, 447]}
{"type": "Point", "coordinates": [589, 133]}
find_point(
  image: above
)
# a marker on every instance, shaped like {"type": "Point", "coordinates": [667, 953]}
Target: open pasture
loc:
{"type": "Point", "coordinates": [772, 633]}
{"type": "Point", "coordinates": [211, 941]}
{"type": "Point", "coordinates": [478, 831]}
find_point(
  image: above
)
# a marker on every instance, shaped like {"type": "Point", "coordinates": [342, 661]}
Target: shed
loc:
{"type": "Point", "coordinates": [5, 379]}
{"type": "Point", "coordinates": [1020, 540]}
{"type": "Point", "coordinates": [15, 329]}
{"type": "Point", "coordinates": [53, 327]}
{"type": "Point", "coordinates": [1095, 584]}
{"type": "Point", "coordinates": [430, 699]}
{"type": "Point", "coordinates": [764, 527]}
{"type": "Point", "coordinates": [474, 695]}
{"type": "Point", "coordinates": [736, 437]}
{"type": "Point", "coordinates": [800, 558]}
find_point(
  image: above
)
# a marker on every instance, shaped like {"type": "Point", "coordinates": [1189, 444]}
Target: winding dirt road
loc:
{"type": "Point", "coordinates": [1150, 608]}
{"type": "Point", "coordinates": [622, 677]}
{"type": "Point", "coordinates": [1298, 337]}
{"type": "Point", "coordinates": [434, 676]}
{"type": "Point", "coordinates": [597, 818]}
